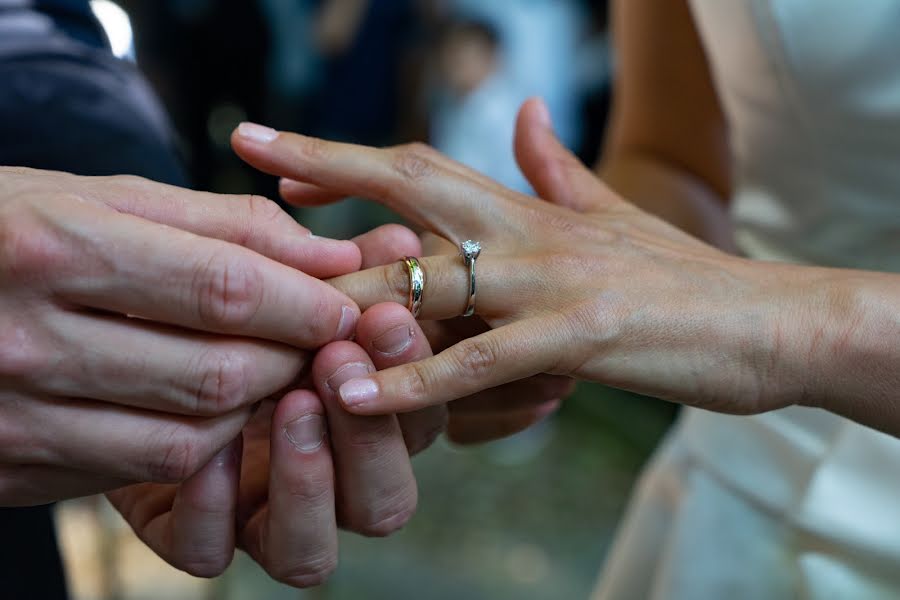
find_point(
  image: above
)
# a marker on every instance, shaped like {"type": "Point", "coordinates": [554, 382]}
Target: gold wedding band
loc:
{"type": "Point", "coordinates": [416, 284]}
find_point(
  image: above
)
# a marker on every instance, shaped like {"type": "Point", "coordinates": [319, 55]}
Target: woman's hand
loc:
{"type": "Point", "coordinates": [585, 285]}
{"type": "Point", "coordinates": [139, 322]}
{"type": "Point", "coordinates": [497, 412]}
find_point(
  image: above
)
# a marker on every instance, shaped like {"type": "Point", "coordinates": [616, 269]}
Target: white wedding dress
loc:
{"type": "Point", "coordinates": [797, 503]}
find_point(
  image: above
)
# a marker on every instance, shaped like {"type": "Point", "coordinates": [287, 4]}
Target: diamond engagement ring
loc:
{"type": "Point", "coordinates": [470, 251]}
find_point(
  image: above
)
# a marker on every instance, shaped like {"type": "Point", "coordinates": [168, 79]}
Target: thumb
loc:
{"type": "Point", "coordinates": [552, 170]}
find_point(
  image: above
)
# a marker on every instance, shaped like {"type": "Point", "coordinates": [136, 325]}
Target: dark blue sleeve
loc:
{"type": "Point", "coordinates": [68, 105]}
{"type": "Point", "coordinates": [73, 17]}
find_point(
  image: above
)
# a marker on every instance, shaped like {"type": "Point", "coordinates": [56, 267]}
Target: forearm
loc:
{"type": "Point", "coordinates": [670, 193]}
{"type": "Point", "coordinates": [836, 341]}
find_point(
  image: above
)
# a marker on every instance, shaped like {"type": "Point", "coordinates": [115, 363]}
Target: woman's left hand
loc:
{"type": "Point", "coordinates": [583, 285]}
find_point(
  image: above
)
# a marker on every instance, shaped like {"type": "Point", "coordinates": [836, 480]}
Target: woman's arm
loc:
{"type": "Point", "coordinates": [587, 285]}
{"type": "Point", "coordinates": [840, 335]}
{"type": "Point", "coordinates": [667, 147]}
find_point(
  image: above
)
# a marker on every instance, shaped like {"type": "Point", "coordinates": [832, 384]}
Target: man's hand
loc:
{"type": "Point", "coordinates": [139, 322]}
{"type": "Point", "coordinates": [303, 468]}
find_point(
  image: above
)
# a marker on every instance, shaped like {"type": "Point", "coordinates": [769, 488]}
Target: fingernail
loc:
{"type": "Point", "coordinates": [357, 392]}
{"type": "Point", "coordinates": [307, 433]}
{"type": "Point", "coordinates": [346, 373]}
{"type": "Point", "coordinates": [257, 133]}
{"type": "Point", "coordinates": [347, 325]}
{"type": "Point", "coordinates": [393, 341]}
{"type": "Point", "coordinates": [543, 114]}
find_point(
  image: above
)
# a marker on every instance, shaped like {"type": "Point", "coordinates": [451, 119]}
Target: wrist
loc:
{"type": "Point", "coordinates": [836, 333]}
{"type": "Point", "coordinates": [756, 338]}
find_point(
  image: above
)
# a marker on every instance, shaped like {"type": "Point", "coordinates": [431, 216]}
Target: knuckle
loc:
{"type": "Point", "coordinates": [134, 181]}
{"type": "Point", "coordinates": [590, 328]}
{"type": "Point", "coordinates": [417, 381]}
{"type": "Point", "coordinates": [176, 459]}
{"type": "Point", "coordinates": [20, 357]}
{"type": "Point", "coordinates": [223, 384]}
{"type": "Point", "coordinates": [17, 442]}
{"type": "Point", "coordinates": [315, 490]}
{"type": "Point", "coordinates": [312, 571]}
{"type": "Point", "coordinates": [476, 358]}
{"type": "Point", "coordinates": [323, 320]}
{"type": "Point", "coordinates": [414, 161]}
{"type": "Point", "coordinates": [228, 292]}
{"type": "Point", "coordinates": [263, 209]}
{"type": "Point", "coordinates": [310, 147]}
{"type": "Point", "coordinates": [28, 249]}
{"type": "Point", "coordinates": [264, 213]}
{"type": "Point", "coordinates": [369, 442]}
{"type": "Point", "coordinates": [390, 518]}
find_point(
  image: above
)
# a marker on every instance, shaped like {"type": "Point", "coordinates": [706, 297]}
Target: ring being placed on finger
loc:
{"type": "Point", "coordinates": [470, 251]}
{"type": "Point", "coordinates": [416, 284]}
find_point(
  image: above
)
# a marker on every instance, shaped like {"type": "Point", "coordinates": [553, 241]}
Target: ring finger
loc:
{"type": "Point", "coordinates": [446, 289]}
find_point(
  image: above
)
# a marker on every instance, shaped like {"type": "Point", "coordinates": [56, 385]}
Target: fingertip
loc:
{"type": "Point", "coordinates": [391, 336]}
{"type": "Point", "coordinates": [300, 193]}
{"type": "Point", "coordinates": [535, 109]}
{"type": "Point", "coordinates": [534, 117]}
{"type": "Point", "coordinates": [386, 244]}
{"type": "Point", "coordinates": [297, 403]}
{"type": "Point", "coordinates": [291, 189]}
{"type": "Point", "coordinates": [381, 317]}
{"type": "Point", "coordinates": [360, 396]}
{"type": "Point", "coordinates": [300, 416]}
{"type": "Point", "coordinates": [404, 240]}
{"type": "Point", "coordinates": [333, 356]}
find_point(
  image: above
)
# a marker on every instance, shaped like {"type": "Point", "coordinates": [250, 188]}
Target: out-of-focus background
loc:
{"type": "Point", "coordinates": [530, 517]}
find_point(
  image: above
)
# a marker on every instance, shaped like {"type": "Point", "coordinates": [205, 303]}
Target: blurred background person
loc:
{"type": "Point", "coordinates": [474, 99]}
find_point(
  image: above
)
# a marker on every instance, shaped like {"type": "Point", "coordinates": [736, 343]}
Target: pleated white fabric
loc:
{"type": "Point", "coordinates": [797, 503]}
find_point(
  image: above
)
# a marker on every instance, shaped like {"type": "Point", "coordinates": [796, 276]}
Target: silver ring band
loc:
{"type": "Point", "coordinates": [470, 251]}
{"type": "Point", "coordinates": [416, 284]}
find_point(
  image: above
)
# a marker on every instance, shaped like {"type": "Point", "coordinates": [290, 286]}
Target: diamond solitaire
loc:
{"type": "Point", "coordinates": [470, 249]}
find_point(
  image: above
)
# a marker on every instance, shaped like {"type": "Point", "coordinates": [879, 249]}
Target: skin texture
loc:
{"type": "Point", "coordinates": [281, 495]}
{"type": "Point", "coordinates": [93, 398]}
{"type": "Point", "coordinates": [489, 414]}
{"type": "Point", "coordinates": [146, 336]}
{"type": "Point", "coordinates": [585, 284]}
